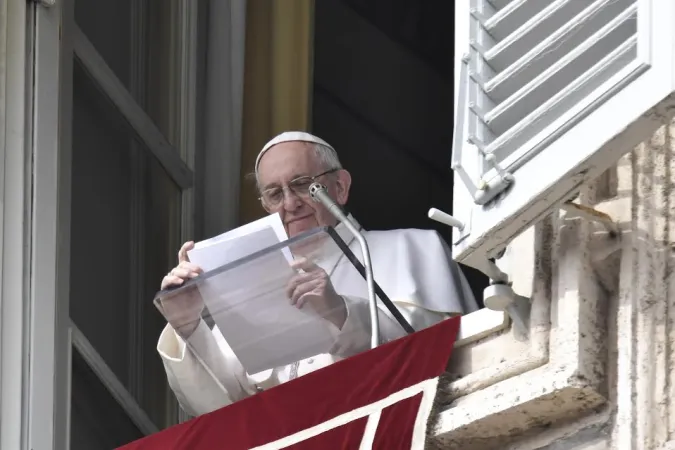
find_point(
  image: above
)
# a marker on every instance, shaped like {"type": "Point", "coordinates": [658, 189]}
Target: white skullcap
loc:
{"type": "Point", "coordinates": [290, 136]}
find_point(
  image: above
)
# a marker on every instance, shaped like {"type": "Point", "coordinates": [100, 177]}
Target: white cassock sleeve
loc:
{"type": "Point", "coordinates": [354, 336]}
{"type": "Point", "coordinates": [196, 389]}
{"type": "Point", "coordinates": [423, 280]}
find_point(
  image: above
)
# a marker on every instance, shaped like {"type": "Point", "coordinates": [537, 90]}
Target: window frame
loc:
{"type": "Point", "coordinates": [178, 161]}
{"type": "Point", "coordinates": [105, 374]}
{"type": "Point", "coordinates": [41, 41]}
{"type": "Point", "coordinates": [47, 377]}
{"type": "Point", "coordinates": [14, 222]}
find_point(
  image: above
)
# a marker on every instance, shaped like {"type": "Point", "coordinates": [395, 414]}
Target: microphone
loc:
{"type": "Point", "coordinates": [319, 194]}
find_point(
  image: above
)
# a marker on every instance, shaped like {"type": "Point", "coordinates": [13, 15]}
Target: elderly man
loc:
{"type": "Point", "coordinates": [412, 266]}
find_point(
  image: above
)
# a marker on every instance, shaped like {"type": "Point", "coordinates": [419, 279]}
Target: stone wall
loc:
{"type": "Point", "coordinates": [595, 370]}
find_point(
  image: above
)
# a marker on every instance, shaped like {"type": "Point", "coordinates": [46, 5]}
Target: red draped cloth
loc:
{"type": "Point", "coordinates": [378, 399]}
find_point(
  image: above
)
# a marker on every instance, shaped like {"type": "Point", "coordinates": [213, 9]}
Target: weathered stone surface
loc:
{"type": "Point", "coordinates": [596, 371]}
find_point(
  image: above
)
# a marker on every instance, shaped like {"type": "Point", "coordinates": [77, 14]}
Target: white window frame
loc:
{"type": "Point", "coordinates": [14, 223]}
{"type": "Point", "coordinates": [48, 379]}
{"type": "Point", "coordinates": [35, 117]}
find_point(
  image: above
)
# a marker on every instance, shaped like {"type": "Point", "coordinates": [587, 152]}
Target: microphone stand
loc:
{"type": "Point", "coordinates": [319, 193]}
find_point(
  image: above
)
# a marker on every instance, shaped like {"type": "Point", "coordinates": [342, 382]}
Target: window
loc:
{"type": "Point", "coordinates": [125, 225]}
{"type": "Point", "coordinates": [99, 195]}
{"type": "Point", "coordinates": [129, 180]}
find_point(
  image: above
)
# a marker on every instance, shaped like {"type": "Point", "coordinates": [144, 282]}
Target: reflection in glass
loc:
{"type": "Point", "coordinates": [125, 229]}
{"type": "Point", "coordinates": [140, 42]}
{"type": "Point", "coordinates": [97, 420]}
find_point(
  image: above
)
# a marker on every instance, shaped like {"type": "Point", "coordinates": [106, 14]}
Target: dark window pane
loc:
{"type": "Point", "coordinates": [97, 421]}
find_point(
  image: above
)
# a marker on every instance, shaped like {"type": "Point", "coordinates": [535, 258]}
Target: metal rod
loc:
{"type": "Point", "coordinates": [381, 295]}
{"type": "Point", "coordinates": [108, 378]}
{"type": "Point", "coordinates": [319, 193]}
{"type": "Point", "coordinates": [372, 300]}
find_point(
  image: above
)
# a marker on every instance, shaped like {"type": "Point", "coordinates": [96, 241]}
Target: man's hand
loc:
{"type": "Point", "coordinates": [185, 270]}
{"type": "Point", "coordinates": [313, 287]}
{"type": "Point", "coordinates": [183, 311]}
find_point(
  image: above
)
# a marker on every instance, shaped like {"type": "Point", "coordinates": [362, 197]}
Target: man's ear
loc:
{"type": "Point", "coordinates": [342, 185]}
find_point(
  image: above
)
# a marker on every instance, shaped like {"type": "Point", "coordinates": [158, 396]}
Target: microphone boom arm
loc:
{"type": "Point", "coordinates": [319, 193]}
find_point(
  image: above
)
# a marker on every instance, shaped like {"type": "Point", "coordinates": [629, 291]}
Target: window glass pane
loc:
{"type": "Point", "coordinates": [97, 421]}
{"type": "Point", "coordinates": [108, 25]}
{"type": "Point", "coordinates": [140, 42]}
{"type": "Point", "coordinates": [125, 230]}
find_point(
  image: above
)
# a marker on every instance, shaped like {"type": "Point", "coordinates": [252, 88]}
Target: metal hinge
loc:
{"type": "Point", "coordinates": [46, 3]}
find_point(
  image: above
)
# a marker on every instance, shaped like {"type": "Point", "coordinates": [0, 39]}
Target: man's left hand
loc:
{"type": "Point", "coordinates": [314, 287]}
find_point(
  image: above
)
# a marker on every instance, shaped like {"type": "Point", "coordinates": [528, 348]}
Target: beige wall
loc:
{"type": "Point", "coordinates": [596, 371]}
{"type": "Point", "coordinates": [277, 81]}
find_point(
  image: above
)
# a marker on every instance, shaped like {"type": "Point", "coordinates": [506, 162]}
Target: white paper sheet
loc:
{"type": "Point", "coordinates": [239, 243]}
{"type": "Point", "coordinates": [249, 304]}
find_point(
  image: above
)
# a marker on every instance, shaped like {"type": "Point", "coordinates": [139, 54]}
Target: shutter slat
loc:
{"type": "Point", "coordinates": [512, 17]}
{"type": "Point", "coordinates": [562, 73]}
{"type": "Point", "coordinates": [553, 48]}
{"type": "Point", "coordinates": [537, 28]}
{"type": "Point", "coordinates": [563, 101]}
{"type": "Point", "coordinates": [558, 43]}
{"type": "Point", "coordinates": [498, 4]}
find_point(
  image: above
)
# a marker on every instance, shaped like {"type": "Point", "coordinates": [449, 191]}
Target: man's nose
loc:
{"type": "Point", "coordinates": [291, 200]}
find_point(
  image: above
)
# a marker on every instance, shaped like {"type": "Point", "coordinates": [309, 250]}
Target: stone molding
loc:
{"type": "Point", "coordinates": [597, 372]}
{"type": "Point", "coordinates": [561, 372]}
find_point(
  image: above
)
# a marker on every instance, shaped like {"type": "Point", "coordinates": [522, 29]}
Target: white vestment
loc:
{"type": "Point", "coordinates": [413, 267]}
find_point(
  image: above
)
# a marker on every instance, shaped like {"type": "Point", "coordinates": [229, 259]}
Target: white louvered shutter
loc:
{"type": "Point", "coordinates": [549, 94]}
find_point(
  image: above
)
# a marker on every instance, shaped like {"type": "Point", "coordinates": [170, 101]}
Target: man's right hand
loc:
{"type": "Point", "coordinates": [183, 311]}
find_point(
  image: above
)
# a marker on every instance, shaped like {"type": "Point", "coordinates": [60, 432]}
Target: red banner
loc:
{"type": "Point", "coordinates": [378, 399]}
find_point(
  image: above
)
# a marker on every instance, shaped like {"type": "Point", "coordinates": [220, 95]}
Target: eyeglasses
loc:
{"type": "Point", "coordinates": [273, 197]}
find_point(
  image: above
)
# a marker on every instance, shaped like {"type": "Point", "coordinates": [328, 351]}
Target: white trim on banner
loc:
{"type": "Point", "coordinates": [428, 390]}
